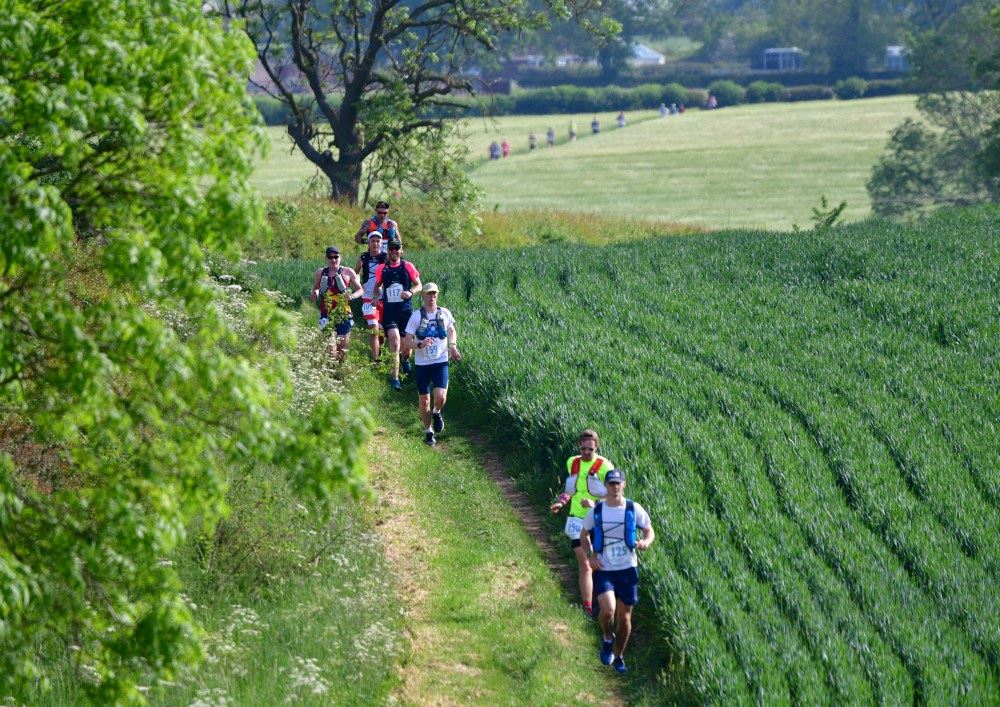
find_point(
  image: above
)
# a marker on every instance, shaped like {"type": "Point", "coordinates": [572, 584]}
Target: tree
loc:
{"type": "Point", "coordinates": [359, 74]}
{"type": "Point", "coordinates": [127, 141]}
{"type": "Point", "coordinates": [947, 159]}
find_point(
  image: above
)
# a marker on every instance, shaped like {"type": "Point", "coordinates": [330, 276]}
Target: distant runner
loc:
{"type": "Point", "coordinates": [329, 285]}
{"type": "Point", "coordinates": [584, 486]}
{"type": "Point", "coordinates": [396, 281]}
{"type": "Point", "coordinates": [380, 222]}
{"type": "Point", "coordinates": [371, 308]}
{"type": "Point", "coordinates": [610, 539]}
{"type": "Point", "coordinates": [432, 336]}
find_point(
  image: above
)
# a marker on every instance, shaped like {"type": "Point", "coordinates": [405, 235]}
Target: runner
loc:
{"type": "Point", "coordinates": [609, 539]}
{"type": "Point", "coordinates": [396, 281]}
{"type": "Point", "coordinates": [380, 222]}
{"type": "Point", "coordinates": [329, 283]}
{"type": "Point", "coordinates": [584, 486]}
{"type": "Point", "coordinates": [426, 333]}
{"type": "Point", "coordinates": [371, 309]}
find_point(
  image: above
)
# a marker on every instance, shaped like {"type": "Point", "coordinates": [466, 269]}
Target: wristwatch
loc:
{"type": "Point", "coordinates": [590, 554]}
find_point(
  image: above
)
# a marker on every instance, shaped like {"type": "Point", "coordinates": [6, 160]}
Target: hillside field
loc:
{"type": "Point", "coordinates": [755, 166]}
{"type": "Point", "coordinates": [811, 420]}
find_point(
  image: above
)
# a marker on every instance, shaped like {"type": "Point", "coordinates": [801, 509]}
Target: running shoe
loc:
{"type": "Point", "coordinates": [619, 665]}
{"type": "Point", "coordinates": [438, 424]}
{"type": "Point", "coordinates": [396, 385]}
{"type": "Point", "coordinates": [607, 650]}
{"type": "Point", "coordinates": [430, 440]}
{"type": "Point", "coordinates": [405, 367]}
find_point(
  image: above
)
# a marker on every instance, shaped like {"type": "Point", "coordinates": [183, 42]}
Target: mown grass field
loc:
{"type": "Point", "coordinates": [752, 166]}
{"type": "Point", "coordinates": [811, 419]}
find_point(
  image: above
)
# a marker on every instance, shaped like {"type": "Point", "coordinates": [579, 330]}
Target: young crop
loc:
{"type": "Point", "coordinates": [812, 424]}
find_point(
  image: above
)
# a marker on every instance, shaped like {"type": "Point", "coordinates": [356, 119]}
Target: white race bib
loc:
{"type": "Point", "coordinates": [368, 309]}
{"type": "Point", "coordinates": [394, 293]}
{"type": "Point", "coordinates": [433, 350]}
{"type": "Point", "coordinates": [573, 527]}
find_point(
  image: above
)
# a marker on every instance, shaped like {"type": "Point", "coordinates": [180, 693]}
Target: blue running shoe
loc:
{"type": "Point", "coordinates": [438, 422]}
{"type": "Point", "coordinates": [405, 367]}
{"type": "Point", "coordinates": [396, 385]}
{"type": "Point", "coordinates": [620, 665]}
{"type": "Point", "coordinates": [607, 650]}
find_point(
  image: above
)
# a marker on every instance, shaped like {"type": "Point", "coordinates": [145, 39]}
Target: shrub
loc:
{"type": "Point", "coordinates": [675, 93]}
{"type": "Point", "coordinates": [697, 97]}
{"type": "Point", "coordinates": [728, 93]}
{"type": "Point", "coordinates": [273, 111]}
{"type": "Point", "coordinates": [853, 87]}
{"type": "Point", "coordinates": [808, 93]}
{"type": "Point", "coordinates": [765, 92]}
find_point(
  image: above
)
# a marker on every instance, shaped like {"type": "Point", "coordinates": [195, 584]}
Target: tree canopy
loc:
{"type": "Point", "coordinates": [359, 75]}
{"type": "Point", "coordinates": [126, 145]}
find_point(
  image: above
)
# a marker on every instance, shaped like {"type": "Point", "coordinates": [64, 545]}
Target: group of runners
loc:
{"type": "Point", "coordinates": [605, 528]}
{"type": "Point", "coordinates": [385, 285]}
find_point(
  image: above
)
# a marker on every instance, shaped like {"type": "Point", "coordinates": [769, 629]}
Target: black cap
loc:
{"type": "Point", "coordinates": [332, 250]}
{"type": "Point", "coordinates": [614, 475]}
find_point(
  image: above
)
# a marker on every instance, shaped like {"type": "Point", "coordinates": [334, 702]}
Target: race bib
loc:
{"type": "Point", "coordinates": [573, 527]}
{"type": "Point", "coordinates": [368, 309]}
{"type": "Point", "coordinates": [433, 350]}
{"type": "Point", "coordinates": [394, 293]}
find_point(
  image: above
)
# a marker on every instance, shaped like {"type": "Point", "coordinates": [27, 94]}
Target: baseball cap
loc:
{"type": "Point", "coordinates": [429, 287]}
{"type": "Point", "coordinates": [615, 475]}
{"type": "Point", "coordinates": [375, 234]}
{"type": "Point", "coordinates": [332, 250]}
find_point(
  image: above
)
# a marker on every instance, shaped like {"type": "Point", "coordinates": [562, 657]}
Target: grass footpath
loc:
{"type": "Point", "coordinates": [489, 622]}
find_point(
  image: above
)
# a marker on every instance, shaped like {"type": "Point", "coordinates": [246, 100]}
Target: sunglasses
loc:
{"type": "Point", "coordinates": [394, 247]}
{"type": "Point", "coordinates": [588, 449]}
{"type": "Point", "coordinates": [381, 213]}
{"type": "Point", "coordinates": [332, 257]}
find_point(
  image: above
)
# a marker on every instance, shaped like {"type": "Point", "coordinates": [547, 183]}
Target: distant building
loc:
{"type": "Point", "coordinates": [895, 58]}
{"type": "Point", "coordinates": [644, 56]}
{"type": "Point", "coordinates": [784, 59]}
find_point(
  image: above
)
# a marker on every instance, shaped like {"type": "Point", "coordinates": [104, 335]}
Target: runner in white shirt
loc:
{"type": "Point", "coordinates": [612, 528]}
{"type": "Point", "coordinates": [431, 334]}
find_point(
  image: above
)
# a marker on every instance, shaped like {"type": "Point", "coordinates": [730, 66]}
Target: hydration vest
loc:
{"type": "Point", "coordinates": [339, 287]}
{"type": "Point", "coordinates": [368, 265]}
{"type": "Point", "coordinates": [393, 275]}
{"type": "Point", "coordinates": [439, 328]}
{"type": "Point", "coordinates": [388, 233]}
{"type": "Point", "coordinates": [598, 539]}
{"type": "Point", "coordinates": [575, 508]}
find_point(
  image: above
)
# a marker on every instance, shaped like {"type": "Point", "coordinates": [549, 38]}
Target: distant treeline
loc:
{"type": "Point", "coordinates": [577, 99]}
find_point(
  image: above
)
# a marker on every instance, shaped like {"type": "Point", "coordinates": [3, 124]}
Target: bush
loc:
{"type": "Point", "coordinates": [848, 89]}
{"type": "Point", "coordinates": [728, 93]}
{"type": "Point", "coordinates": [884, 87]}
{"type": "Point", "coordinates": [808, 93]}
{"type": "Point", "coordinates": [697, 97]}
{"type": "Point", "coordinates": [675, 93]}
{"type": "Point", "coordinates": [765, 92]}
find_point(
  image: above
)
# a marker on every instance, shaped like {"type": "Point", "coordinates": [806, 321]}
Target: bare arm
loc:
{"type": "Point", "coordinates": [353, 279]}
{"type": "Point", "coordinates": [588, 549]}
{"type": "Point", "coordinates": [362, 235]}
{"type": "Point", "coordinates": [453, 343]}
{"type": "Point", "coordinates": [648, 536]}
{"type": "Point", "coordinates": [314, 293]}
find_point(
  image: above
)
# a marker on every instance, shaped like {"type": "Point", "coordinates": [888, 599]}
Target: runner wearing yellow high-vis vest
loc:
{"type": "Point", "coordinates": [584, 487]}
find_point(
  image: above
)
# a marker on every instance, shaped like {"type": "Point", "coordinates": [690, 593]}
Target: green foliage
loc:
{"type": "Point", "coordinates": [853, 87]}
{"type": "Point", "coordinates": [926, 166]}
{"type": "Point", "coordinates": [728, 93]}
{"type": "Point", "coordinates": [811, 422]}
{"type": "Point", "coordinates": [124, 395]}
{"type": "Point", "coordinates": [765, 92]}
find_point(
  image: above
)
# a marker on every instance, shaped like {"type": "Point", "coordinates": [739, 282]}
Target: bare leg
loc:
{"type": "Point", "coordinates": [586, 576]}
{"type": "Point", "coordinates": [440, 396]}
{"type": "Point", "coordinates": [425, 410]}
{"type": "Point", "coordinates": [342, 343]}
{"type": "Point", "coordinates": [607, 603]}
{"type": "Point", "coordinates": [393, 337]}
{"type": "Point", "coordinates": [624, 628]}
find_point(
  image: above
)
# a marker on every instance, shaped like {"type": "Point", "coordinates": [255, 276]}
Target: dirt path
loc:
{"type": "Point", "coordinates": [522, 505]}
